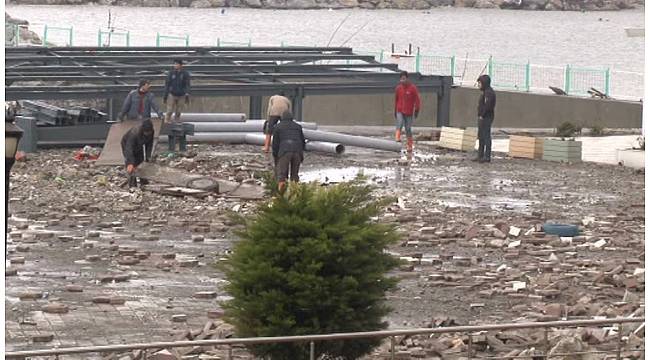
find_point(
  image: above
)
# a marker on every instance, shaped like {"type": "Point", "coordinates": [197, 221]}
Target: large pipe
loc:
{"type": "Point", "coordinates": [360, 141]}
{"type": "Point", "coordinates": [250, 126]}
{"type": "Point", "coordinates": [253, 139]}
{"type": "Point", "coordinates": [326, 147]}
{"type": "Point", "coordinates": [212, 117]}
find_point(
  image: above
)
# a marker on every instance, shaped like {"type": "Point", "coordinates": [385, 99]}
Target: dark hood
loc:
{"type": "Point", "coordinates": [485, 81]}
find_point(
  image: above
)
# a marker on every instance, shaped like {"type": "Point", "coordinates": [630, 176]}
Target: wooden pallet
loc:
{"type": "Point", "coordinates": [562, 151]}
{"type": "Point", "coordinates": [526, 147]}
{"type": "Point", "coordinates": [458, 139]}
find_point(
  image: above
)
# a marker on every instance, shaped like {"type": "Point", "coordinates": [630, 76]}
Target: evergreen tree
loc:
{"type": "Point", "coordinates": [312, 262]}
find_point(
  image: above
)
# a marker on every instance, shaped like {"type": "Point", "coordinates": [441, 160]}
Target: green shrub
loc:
{"type": "Point", "coordinates": [597, 130]}
{"type": "Point", "coordinates": [312, 261]}
{"type": "Point", "coordinates": [566, 129]}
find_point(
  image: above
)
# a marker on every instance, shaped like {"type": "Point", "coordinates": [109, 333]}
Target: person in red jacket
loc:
{"type": "Point", "coordinates": [407, 108]}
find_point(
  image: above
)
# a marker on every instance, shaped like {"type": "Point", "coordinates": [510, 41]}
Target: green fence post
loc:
{"type": "Point", "coordinates": [99, 37]}
{"type": "Point", "coordinates": [417, 60]}
{"type": "Point", "coordinates": [452, 65]}
{"type": "Point", "coordinates": [490, 64]}
{"type": "Point", "coordinates": [607, 80]}
{"type": "Point", "coordinates": [528, 76]}
{"type": "Point", "coordinates": [45, 35]}
{"type": "Point", "coordinates": [71, 31]}
{"type": "Point", "coordinates": [250, 42]}
{"type": "Point", "coordinates": [128, 38]}
{"type": "Point", "coordinates": [381, 55]}
{"type": "Point", "coordinates": [157, 39]}
{"type": "Point", "coordinates": [187, 40]}
{"type": "Point", "coordinates": [567, 79]}
{"type": "Point", "coordinates": [218, 42]}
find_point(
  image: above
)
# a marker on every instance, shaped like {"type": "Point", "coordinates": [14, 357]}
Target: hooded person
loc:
{"type": "Point", "coordinates": [486, 104]}
{"type": "Point", "coordinates": [407, 108]}
{"type": "Point", "coordinates": [137, 145]}
{"type": "Point", "coordinates": [139, 103]}
{"type": "Point", "coordinates": [288, 146]}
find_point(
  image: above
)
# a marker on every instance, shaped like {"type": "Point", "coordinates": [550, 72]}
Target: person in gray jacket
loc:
{"type": "Point", "coordinates": [139, 103]}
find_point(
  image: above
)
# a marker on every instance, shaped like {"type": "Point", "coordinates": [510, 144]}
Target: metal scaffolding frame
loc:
{"type": "Point", "coordinates": [109, 73]}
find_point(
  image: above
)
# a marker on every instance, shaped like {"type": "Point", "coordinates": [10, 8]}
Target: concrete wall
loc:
{"type": "Point", "coordinates": [514, 110]}
{"type": "Point", "coordinates": [523, 110]}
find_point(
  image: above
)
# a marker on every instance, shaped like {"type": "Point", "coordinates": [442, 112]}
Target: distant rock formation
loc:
{"type": "Point", "coordinates": [568, 5]}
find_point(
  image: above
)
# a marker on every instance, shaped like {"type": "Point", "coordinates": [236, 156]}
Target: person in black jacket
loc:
{"type": "Point", "coordinates": [137, 145]}
{"type": "Point", "coordinates": [177, 87]}
{"type": "Point", "coordinates": [486, 103]}
{"type": "Point", "coordinates": [288, 146]}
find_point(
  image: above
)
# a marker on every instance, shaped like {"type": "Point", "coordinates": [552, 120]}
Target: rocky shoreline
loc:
{"type": "Point", "coordinates": [561, 5]}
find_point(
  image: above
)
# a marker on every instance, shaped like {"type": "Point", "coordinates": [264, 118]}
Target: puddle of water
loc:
{"type": "Point", "coordinates": [337, 175]}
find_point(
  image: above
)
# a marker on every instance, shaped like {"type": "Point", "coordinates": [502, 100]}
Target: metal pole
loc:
{"type": "Point", "coordinates": [417, 60]}
{"type": "Point", "coordinates": [128, 38]}
{"type": "Point", "coordinates": [230, 352]}
{"type": "Point", "coordinates": [392, 348]}
{"type": "Point", "coordinates": [157, 39]}
{"type": "Point", "coordinates": [99, 38]}
{"type": "Point", "coordinates": [546, 344]}
{"type": "Point", "coordinates": [607, 79]}
{"type": "Point", "coordinates": [490, 65]}
{"type": "Point", "coordinates": [453, 66]}
{"type": "Point", "coordinates": [567, 79]}
{"type": "Point", "coordinates": [71, 31]}
{"type": "Point", "coordinates": [187, 40]}
{"type": "Point", "coordinates": [45, 35]}
{"type": "Point", "coordinates": [469, 346]}
{"type": "Point", "coordinates": [528, 76]}
{"type": "Point", "coordinates": [312, 350]}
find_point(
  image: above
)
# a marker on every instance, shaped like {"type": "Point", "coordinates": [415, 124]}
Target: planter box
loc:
{"type": "Point", "coordinates": [526, 147]}
{"type": "Point", "coordinates": [458, 139]}
{"type": "Point", "coordinates": [631, 158]}
{"type": "Point", "coordinates": [562, 151]}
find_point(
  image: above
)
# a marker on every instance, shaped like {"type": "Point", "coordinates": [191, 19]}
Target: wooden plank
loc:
{"type": "Point", "coordinates": [562, 144]}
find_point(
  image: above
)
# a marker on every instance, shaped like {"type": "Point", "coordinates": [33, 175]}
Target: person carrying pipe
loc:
{"type": "Point", "coordinates": [288, 146]}
{"type": "Point", "coordinates": [407, 108]}
{"type": "Point", "coordinates": [139, 103]}
{"type": "Point", "coordinates": [177, 91]}
{"type": "Point", "coordinates": [486, 104]}
{"type": "Point", "coordinates": [278, 104]}
{"type": "Point", "coordinates": [137, 145]}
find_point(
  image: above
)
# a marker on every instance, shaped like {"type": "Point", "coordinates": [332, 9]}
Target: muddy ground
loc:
{"type": "Point", "coordinates": [121, 266]}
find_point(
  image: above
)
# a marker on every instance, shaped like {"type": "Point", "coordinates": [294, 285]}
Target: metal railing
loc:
{"type": "Point", "coordinates": [505, 75]}
{"type": "Point", "coordinates": [312, 339]}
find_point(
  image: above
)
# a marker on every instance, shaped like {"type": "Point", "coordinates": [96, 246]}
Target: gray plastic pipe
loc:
{"type": "Point", "coordinates": [254, 139]}
{"type": "Point", "coordinates": [325, 147]}
{"type": "Point", "coordinates": [251, 126]}
{"type": "Point", "coordinates": [360, 141]}
{"type": "Point", "coordinates": [212, 117]}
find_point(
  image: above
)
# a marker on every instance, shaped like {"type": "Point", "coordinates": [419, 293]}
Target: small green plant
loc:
{"type": "Point", "coordinates": [566, 129]}
{"type": "Point", "coordinates": [597, 130]}
{"type": "Point", "coordinates": [312, 261]}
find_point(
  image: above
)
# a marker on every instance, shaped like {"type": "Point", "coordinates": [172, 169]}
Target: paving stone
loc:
{"type": "Point", "coordinates": [55, 308]}
{"type": "Point", "coordinates": [42, 338]}
{"type": "Point", "coordinates": [23, 248]}
{"type": "Point", "coordinates": [197, 238]}
{"type": "Point", "coordinates": [31, 295]}
{"type": "Point", "coordinates": [117, 301]}
{"type": "Point", "coordinates": [74, 288]}
{"type": "Point", "coordinates": [11, 271]}
{"type": "Point", "coordinates": [179, 318]}
{"type": "Point", "coordinates": [205, 294]}
{"type": "Point", "coordinates": [93, 258]}
{"type": "Point", "coordinates": [169, 256]}
{"type": "Point", "coordinates": [101, 300]}
{"type": "Point", "coordinates": [17, 260]}
{"type": "Point", "coordinates": [128, 260]}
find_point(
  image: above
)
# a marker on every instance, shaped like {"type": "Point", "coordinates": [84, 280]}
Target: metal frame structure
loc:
{"type": "Point", "coordinates": [392, 334]}
{"type": "Point", "coordinates": [111, 72]}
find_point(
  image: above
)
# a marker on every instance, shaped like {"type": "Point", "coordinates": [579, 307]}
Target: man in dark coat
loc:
{"type": "Point", "coordinates": [486, 104]}
{"type": "Point", "coordinates": [137, 145]}
{"type": "Point", "coordinates": [288, 146]}
{"type": "Point", "coordinates": [177, 87]}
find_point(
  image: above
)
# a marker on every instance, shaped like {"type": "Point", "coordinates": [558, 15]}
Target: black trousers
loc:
{"type": "Point", "coordinates": [485, 138]}
{"type": "Point", "coordinates": [288, 164]}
